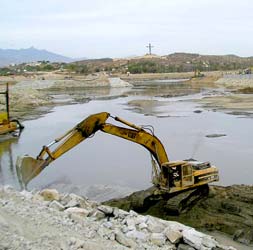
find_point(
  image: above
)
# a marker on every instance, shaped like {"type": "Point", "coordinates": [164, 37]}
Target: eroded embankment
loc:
{"type": "Point", "coordinates": [225, 209]}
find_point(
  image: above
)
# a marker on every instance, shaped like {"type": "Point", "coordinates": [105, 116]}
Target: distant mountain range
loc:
{"type": "Point", "coordinates": [17, 56]}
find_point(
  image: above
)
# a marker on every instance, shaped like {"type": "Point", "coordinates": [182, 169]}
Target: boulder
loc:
{"type": "Point", "coordinates": [199, 240]}
{"type": "Point", "coordinates": [125, 241]}
{"type": "Point", "coordinates": [119, 213]}
{"type": "Point", "coordinates": [73, 200]}
{"type": "Point", "coordinates": [158, 239]}
{"type": "Point", "coordinates": [56, 205]}
{"type": "Point", "coordinates": [50, 194]}
{"type": "Point", "coordinates": [98, 215]}
{"type": "Point", "coordinates": [78, 211]}
{"type": "Point", "coordinates": [172, 235]}
{"type": "Point", "coordinates": [137, 235]}
{"type": "Point", "coordinates": [142, 226]}
{"type": "Point", "coordinates": [154, 225]}
{"type": "Point", "coordinates": [108, 211]}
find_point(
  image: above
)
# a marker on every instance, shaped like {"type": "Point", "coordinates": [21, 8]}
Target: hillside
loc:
{"type": "Point", "coordinates": [17, 56]}
{"type": "Point", "coordinates": [176, 62]}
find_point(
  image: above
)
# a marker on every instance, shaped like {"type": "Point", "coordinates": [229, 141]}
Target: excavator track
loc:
{"type": "Point", "coordinates": [184, 201]}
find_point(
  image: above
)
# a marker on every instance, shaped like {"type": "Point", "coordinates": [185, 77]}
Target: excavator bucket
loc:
{"type": "Point", "coordinates": [28, 168]}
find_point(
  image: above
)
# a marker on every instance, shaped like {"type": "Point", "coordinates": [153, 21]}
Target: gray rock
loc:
{"type": "Point", "coordinates": [140, 219]}
{"type": "Point", "coordinates": [137, 235]}
{"type": "Point", "coordinates": [79, 211]}
{"type": "Point", "coordinates": [142, 226]}
{"type": "Point", "coordinates": [98, 215]}
{"type": "Point", "coordinates": [158, 239]}
{"type": "Point", "coordinates": [123, 240]}
{"type": "Point", "coordinates": [56, 205]}
{"type": "Point", "coordinates": [155, 227]}
{"type": "Point", "coordinates": [130, 222]}
{"type": "Point", "coordinates": [198, 240]}
{"type": "Point", "coordinates": [73, 200]}
{"type": "Point", "coordinates": [119, 213]}
{"type": "Point", "coordinates": [50, 194]}
{"type": "Point", "coordinates": [133, 213]}
{"type": "Point", "coordinates": [172, 235]}
{"type": "Point", "coordinates": [108, 211]}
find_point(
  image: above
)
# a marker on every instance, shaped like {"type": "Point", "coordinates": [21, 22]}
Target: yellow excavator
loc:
{"type": "Point", "coordinates": [8, 127]}
{"type": "Point", "coordinates": [171, 177]}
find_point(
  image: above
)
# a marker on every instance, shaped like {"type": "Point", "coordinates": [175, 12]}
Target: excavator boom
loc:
{"type": "Point", "coordinates": [142, 137]}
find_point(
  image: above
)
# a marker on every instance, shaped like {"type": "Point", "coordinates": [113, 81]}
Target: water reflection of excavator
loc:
{"type": "Point", "coordinates": [7, 163]}
{"type": "Point", "coordinates": [171, 177]}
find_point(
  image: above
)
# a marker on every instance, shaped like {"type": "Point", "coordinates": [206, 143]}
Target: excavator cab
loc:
{"type": "Point", "coordinates": [178, 175]}
{"type": "Point", "coordinates": [181, 175]}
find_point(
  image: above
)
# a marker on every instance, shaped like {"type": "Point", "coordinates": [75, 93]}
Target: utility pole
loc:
{"type": "Point", "coordinates": [150, 47]}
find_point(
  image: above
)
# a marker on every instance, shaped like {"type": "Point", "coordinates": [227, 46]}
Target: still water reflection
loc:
{"type": "Point", "coordinates": [105, 159]}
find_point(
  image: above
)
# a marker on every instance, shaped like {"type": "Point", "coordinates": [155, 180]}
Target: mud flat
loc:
{"type": "Point", "coordinates": [236, 97]}
{"type": "Point", "coordinates": [233, 103]}
{"type": "Point", "coordinates": [37, 94]}
{"type": "Point", "coordinates": [32, 97]}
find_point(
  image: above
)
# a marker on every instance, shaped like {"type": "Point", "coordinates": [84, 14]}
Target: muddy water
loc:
{"type": "Point", "coordinates": [105, 159]}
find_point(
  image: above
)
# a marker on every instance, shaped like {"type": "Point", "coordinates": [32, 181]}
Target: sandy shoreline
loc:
{"type": "Point", "coordinates": [28, 95]}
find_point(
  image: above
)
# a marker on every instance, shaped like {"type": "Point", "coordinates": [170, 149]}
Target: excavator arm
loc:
{"type": "Point", "coordinates": [142, 137]}
{"type": "Point", "coordinates": [28, 167]}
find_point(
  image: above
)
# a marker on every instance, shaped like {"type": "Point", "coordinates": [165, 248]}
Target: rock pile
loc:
{"type": "Point", "coordinates": [236, 80]}
{"type": "Point", "coordinates": [50, 220]}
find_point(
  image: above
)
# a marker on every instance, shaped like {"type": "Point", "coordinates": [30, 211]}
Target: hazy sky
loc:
{"type": "Point", "coordinates": [119, 28]}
